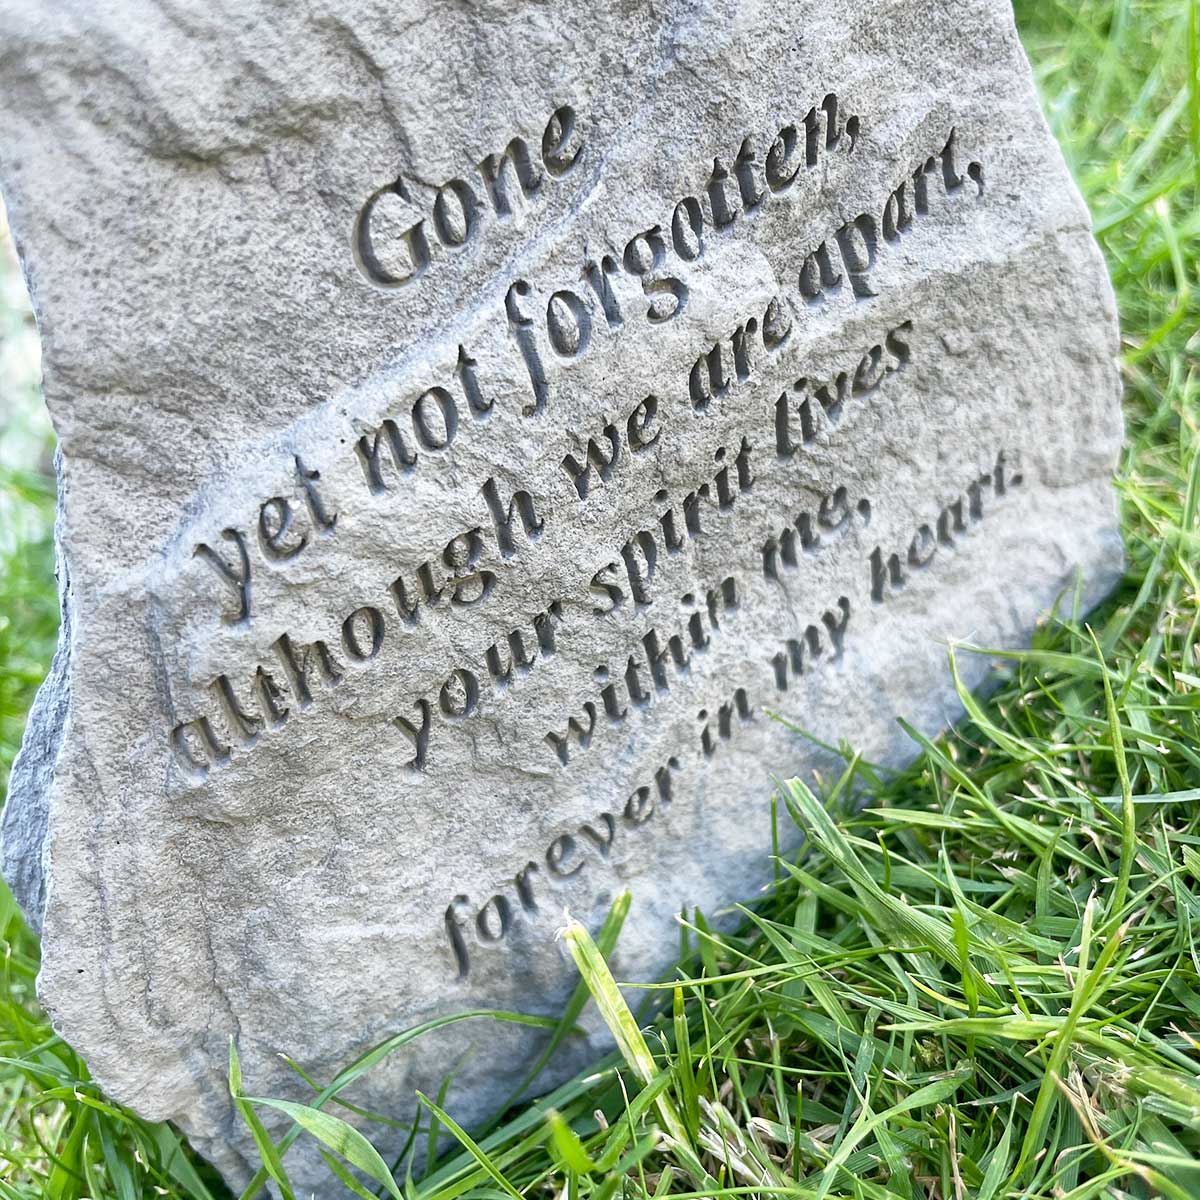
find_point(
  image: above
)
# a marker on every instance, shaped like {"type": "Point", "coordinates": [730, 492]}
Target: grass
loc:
{"type": "Point", "coordinates": [986, 984]}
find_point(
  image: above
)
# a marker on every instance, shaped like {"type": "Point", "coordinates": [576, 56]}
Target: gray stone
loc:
{"type": "Point", "coordinates": [581, 385]}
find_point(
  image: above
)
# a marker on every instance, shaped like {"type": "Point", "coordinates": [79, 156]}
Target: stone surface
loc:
{"type": "Point", "coordinates": [781, 322]}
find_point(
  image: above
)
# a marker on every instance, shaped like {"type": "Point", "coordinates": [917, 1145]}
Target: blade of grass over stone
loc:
{"type": "Point", "coordinates": [511, 1140]}
{"type": "Point", "coordinates": [606, 941]}
{"type": "Point", "coordinates": [685, 1075]}
{"type": "Point", "coordinates": [334, 1133]}
{"type": "Point", "coordinates": [619, 1019]}
{"type": "Point", "coordinates": [345, 1177]}
{"type": "Point", "coordinates": [568, 1146]}
{"type": "Point", "coordinates": [434, 1134]}
{"type": "Point", "coordinates": [632, 1045]}
{"type": "Point", "coordinates": [272, 1160]}
{"type": "Point", "coordinates": [377, 1054]}
{"type": "Point", "coordinates": [472, 1147]}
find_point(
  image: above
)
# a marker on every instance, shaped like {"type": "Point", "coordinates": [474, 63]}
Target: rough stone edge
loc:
{"type": "Point", "coordinates": [25, 821]}
{"type": "Point", "coordinates": [1102, 584]}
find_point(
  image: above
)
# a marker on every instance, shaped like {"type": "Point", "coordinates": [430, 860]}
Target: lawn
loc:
{"type": "Point", "coordinates": [985, 984]}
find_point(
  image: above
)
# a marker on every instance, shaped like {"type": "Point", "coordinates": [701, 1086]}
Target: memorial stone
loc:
{"type": "Point", "coordinates": [480, 424]}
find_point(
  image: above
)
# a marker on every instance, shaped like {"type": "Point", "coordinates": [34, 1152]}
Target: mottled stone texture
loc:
{"type": "Point", "coordinates": [477, 422]}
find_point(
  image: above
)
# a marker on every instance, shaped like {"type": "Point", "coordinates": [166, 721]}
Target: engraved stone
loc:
{"type": "Point", "coordinates": [476, 423]}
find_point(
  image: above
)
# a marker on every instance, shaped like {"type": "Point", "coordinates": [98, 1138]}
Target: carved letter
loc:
{"type": "Point", "coordinates": [197, 748]}
{"type": "Point", "coordinates": [780, 156]}
{"type": "Point", "coordinates": [454, 933]}
{"type": "Point", "coordinates": [837, 626]}
{"type": "Point", "coordinates": [245, 726]}
{"type": "Point", "coordinates": [568, 324]}
{"type": "Point", "coordinates": [556, 138]}
{"type": "Point", "coordinates": [418, 735]}
{"type": "Point", "coordinates": [581, 473]}
{"type": "Point", "coordinates": [307, 480]}
{"type": "Point", "coordinates": [561, 742]}
{"type": "Point", "coordinates": [687, 229]}
{"type": "Point", "coordinates": [637, 428]}
{"type": "Point", "coordinates": [611, 591]}
{"type": "Point", "coordinates": [559, 851]}
{"type": "Point", "coordinates": [389, 257]}
{"type": "Point", "coordinates": [272, 529]}
{"type": "Point", "coordinates": [368, 455]}
{"type": "Point", "coordinates": [502, 516]}
{"type": "Point", "coordinates": [435, 434]}
{"type": "Point", "coordinates": [644, 255]}
{"type": "Point", "coordinates": [298, 664]}
{"type": "Point", "coordinates": [351, 639]}
{"type": "Point", "coordinates": [455, 220]}
{"type": "Point", "coordinates": [521, 327]}
{"type": "Point", "coordinates": [884, 573]}
{"type": "Point", "coordinates": [640, 555]}
{"type": "Point", "coordinates": [240, 580]}
{"type": "Point", "coordinates": [492, 169]}
{"type": "Point", "coordinates": [459, 695]}
{"type": "Point", "coordinates": [602, 841]}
